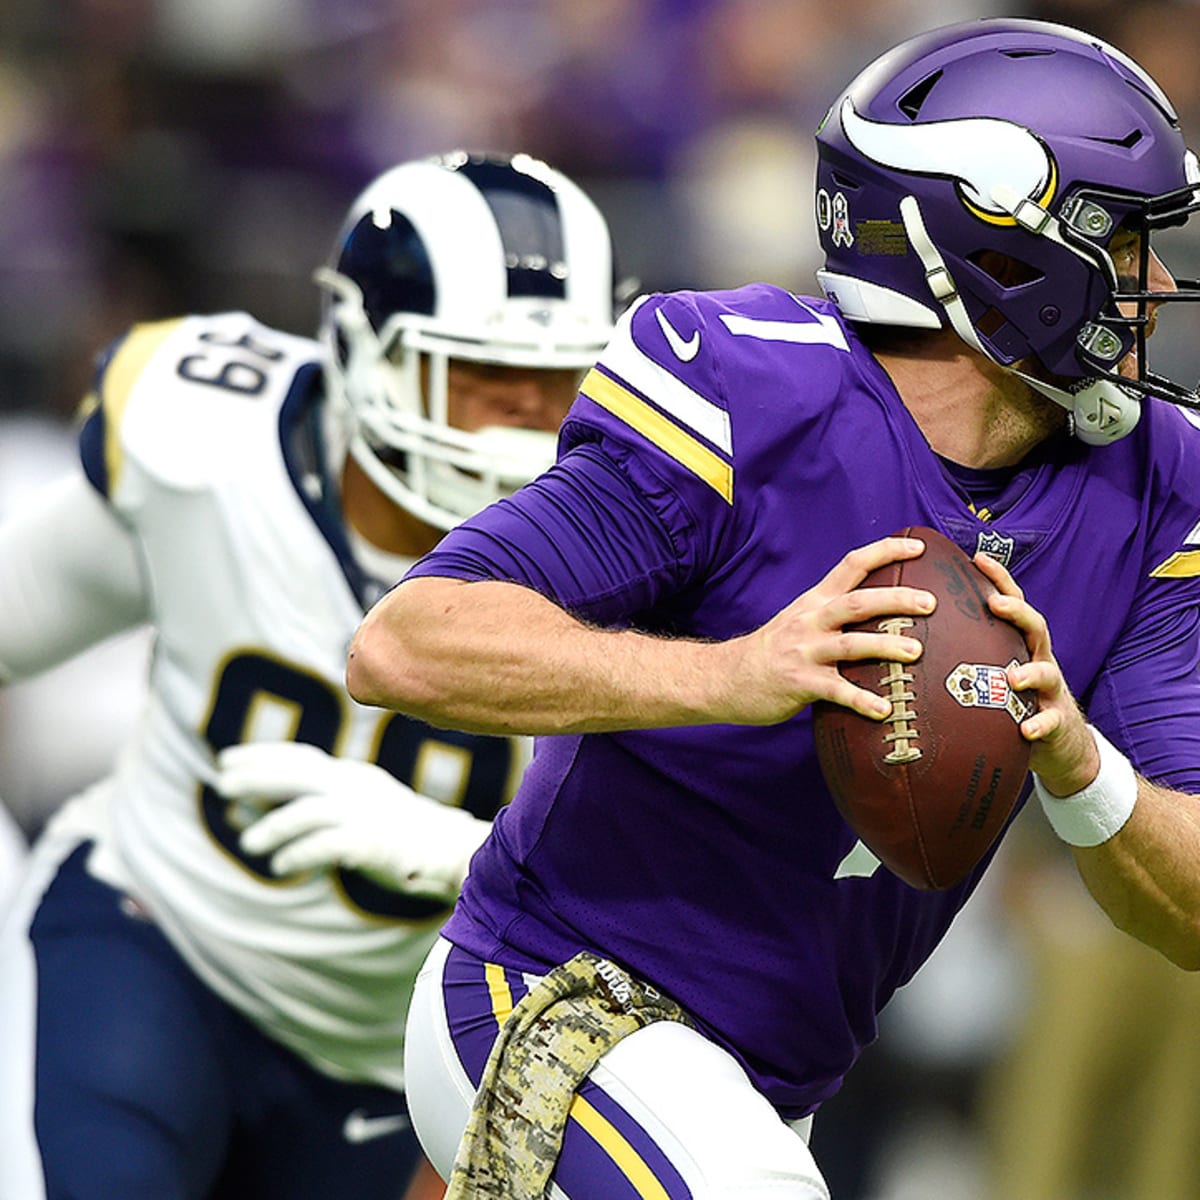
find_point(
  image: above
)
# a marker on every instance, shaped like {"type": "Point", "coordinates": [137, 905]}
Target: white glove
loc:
{"type": "Point", "coordinates": [339, 812]}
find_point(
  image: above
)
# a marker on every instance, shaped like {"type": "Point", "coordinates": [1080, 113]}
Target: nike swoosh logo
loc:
{"type": "Point", "coordinates": [361, 1128]}
{"type": "Point", "coordinates": [684, 351]}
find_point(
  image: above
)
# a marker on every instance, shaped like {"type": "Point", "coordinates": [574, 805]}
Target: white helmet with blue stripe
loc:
{"type": "Point", "coordinates": [499, 260]}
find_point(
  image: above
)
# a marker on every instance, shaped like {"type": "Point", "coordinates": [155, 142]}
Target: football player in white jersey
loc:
{"type": "Point", "coordinates": [205, 974]}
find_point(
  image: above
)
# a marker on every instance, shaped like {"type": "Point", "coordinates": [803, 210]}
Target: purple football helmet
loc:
{"type": "Point", "coordinates": [1018, 138]}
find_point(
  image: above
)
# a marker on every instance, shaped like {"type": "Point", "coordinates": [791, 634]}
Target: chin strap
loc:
{"type": "Point", "coordinates": [1102, 411]}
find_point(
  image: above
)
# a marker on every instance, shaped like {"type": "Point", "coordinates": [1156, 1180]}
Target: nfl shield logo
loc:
{"type": "Point", "coordinates": [996, 545]}
{"type": "Point", "coordinates": [841, 221]}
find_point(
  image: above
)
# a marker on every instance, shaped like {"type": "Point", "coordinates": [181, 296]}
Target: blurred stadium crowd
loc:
{"type": "Point", "coordinates": [159, 156]}
{"type": "Point", "coordinates": [165, 156]}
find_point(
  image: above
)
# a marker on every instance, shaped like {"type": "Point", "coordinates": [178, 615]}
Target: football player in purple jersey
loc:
{"type": "Point", "coordinates": [664, 604]}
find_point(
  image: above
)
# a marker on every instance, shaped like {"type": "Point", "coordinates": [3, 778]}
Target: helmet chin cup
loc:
{"type": "Point", "coordinates": [1102, 410]}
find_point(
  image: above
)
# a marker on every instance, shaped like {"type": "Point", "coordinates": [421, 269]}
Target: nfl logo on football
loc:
{"type": "Point", "coordinates": [992, 686]}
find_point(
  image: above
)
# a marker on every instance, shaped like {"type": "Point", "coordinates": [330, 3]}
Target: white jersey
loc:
{"type": "Point", "coordinates": [206, 440]}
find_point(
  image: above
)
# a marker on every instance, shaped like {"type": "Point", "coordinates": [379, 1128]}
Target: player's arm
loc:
{"type": "Point", "coordinates": [70, 576]}
{"type": "Point", "coordinates": [1136, 843]}
{"type": "Point", "coordinates": [1147, 876]}
{"type": "Point", "coordinates": [497, 657]}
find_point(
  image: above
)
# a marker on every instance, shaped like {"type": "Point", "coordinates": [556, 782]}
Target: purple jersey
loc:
{"type": "Point", "coordinates": [728, 449]}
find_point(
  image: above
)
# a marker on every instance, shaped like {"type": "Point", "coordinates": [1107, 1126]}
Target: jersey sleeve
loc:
{"type": "Point", "coordinates": [119, 368]}
{"type": "Point", "coordinates": [581, 534]}
{"type": "Point", "coordinates": [1147, 700]}
{"type": "Point", "coordinates": [664, 397]}
{"type": "Point", "coordinates": [71, 577]}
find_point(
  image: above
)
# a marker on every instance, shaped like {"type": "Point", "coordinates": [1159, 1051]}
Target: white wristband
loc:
{"type": "Point", "coordinates": [1093, 814]}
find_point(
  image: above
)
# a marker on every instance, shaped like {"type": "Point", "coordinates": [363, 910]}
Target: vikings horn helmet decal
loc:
{"type": "Point", "coordinates": [983, 170]}
{"type": "Point", "coordinates": [979, 152]}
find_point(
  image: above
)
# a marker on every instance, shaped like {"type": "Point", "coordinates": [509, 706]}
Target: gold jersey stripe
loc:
{"type": "Point", "coordinates": [1183, 564]}
{"type": "Point", "coordinates": [500, 992]}
{"type": "Point", "coordinates": [612, 1141]}
{"type": "Point", "coordinates": [120, 375]}
{"type": "Point", "coordinates": [682, 447]}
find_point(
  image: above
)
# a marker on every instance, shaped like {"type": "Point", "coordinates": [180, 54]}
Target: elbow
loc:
{"type": "Point", "coordinates": [365, 671]}
{"type": "Point", "coordinates": [1185, 956]}
{"type": "Point", "coordinates": [401, 657]}
{"type": "Point", "coordinates": [1178, 943]}
{"type": "Point", "coordinates": [384, 671]}
{"type": "Point", "coordinates": [376, 671]}
{"type": "Point", "coordinates": [1185, 953]}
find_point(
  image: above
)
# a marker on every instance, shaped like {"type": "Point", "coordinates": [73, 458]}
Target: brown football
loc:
{"type": "Point", "coordinates": [929, 789]}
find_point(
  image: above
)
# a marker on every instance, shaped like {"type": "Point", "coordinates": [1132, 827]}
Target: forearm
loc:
{"type": "Point", "coordinates": [496, 657]}
{"type": "Point", "coordinates": [1147, 876]}
{"type": "Point", "coordinates": [1136, 844]}
{"type": "Point", "coordinates": [70, 576]}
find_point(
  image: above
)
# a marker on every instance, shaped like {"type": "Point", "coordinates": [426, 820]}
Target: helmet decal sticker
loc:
{"type": "Point", "coordinates": [525, 208]}
{"type": "Point", "coordinates": [824, 210]}
{"type": "Point", "coordinates": [979, 153]}
{"type": "Point", "coordinates": [841, 221]}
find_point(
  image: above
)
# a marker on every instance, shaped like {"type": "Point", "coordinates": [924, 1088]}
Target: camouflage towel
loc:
{"type": "Point", "coordinates": [547, 1046]}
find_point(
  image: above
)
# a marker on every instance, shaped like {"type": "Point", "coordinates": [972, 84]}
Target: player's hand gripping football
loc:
{"type": "Point", "coordinates": [1063, 752]}
{"type": "Point", "coordinates": [793, 659]}
{"type": "Point", "coordinates": [325, 812]}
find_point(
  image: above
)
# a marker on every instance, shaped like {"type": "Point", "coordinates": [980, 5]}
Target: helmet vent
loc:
{"type": "Point", "coordinates": [911, 103]}
{"type": "Point", "coordinates": [1130, 140]}
{"type": "Point", "coordinates": [991, 323]}
{"type": "Point", "coordinates": [1004, 269]}
{"type": "Point", "coordinates": [1027, 53]}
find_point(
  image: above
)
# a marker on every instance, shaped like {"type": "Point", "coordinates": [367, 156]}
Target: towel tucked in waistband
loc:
{"type": "Point", "coordinates": [549, 1043]}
